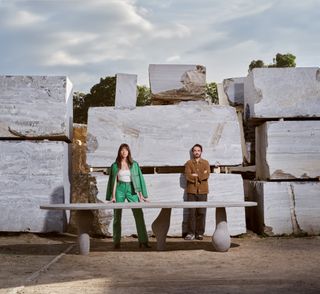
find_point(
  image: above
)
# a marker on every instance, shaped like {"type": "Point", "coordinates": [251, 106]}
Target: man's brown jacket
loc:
{"type": "Point", "coordinates": [197, 185]}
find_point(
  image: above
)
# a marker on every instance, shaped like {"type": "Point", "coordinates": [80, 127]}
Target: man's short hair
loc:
{"type": "Point", "coordinates": [197, 145]}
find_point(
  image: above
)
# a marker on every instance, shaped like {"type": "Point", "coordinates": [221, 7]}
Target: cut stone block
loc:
{"type": "Point", "coordinates": [170, 187]}
{"type": "Point", "coordinates": [234, 90]}
{"type": "Point", "coordinates": [126, 91]}
{"type": "Point", "coordinates": [36, 107]}
{"type": "Point", "coordinates": [164, 135]}
{"type": "Point", "coordinates": [33, 173]}
{"type": "Point", "coordinates": [282, 92]}
{"type": "Point", "coordinates": [288, 150]}
{"type": "Point", "coordinates": [285, 207]}
{"type": "Point", "coordinates": [223, 99]}
{"type": "Point", "coordinates": [177, 81]}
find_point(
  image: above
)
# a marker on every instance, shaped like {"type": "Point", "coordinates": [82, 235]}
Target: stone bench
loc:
{"type": "Point", "coordinates": [220, 239]}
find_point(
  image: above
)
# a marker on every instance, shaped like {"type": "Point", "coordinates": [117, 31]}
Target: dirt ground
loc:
{"type": "Point", "coordinates": [31, 263]}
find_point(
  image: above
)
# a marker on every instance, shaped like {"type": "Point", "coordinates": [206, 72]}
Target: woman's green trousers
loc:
{"type": "Point", "coordinates": [125, 191]}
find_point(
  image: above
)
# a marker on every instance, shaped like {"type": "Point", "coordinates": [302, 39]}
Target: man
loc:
{"type": "Point", "coordinates": [197, 172]}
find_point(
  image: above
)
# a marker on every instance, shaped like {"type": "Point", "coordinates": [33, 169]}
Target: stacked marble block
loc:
{"type": "Point", "coordinates": [286, 102]}
{"type": "Point", "coordinates": [172, 83]}
{"type": "Point", "coordinates": [35, 127]}
{"type": "Point", "coordinates": [231, 93]}
{"type": "Point", "coordinates": [161, 136]}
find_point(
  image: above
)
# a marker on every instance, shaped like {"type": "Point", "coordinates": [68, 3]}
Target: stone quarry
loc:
{"type": "Point", "coordinates": [281, 120]}
{"type": "Point", "coordinates": [262, 142]}
{"type": "Point", "coordinates": [36, 119]}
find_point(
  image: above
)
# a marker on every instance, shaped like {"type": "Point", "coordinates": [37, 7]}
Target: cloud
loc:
{"type": "Point", "coordinates": [62, 58]}
{"type": "Point", "coordinates": [87, 40]}
{"type": "Point", "coordinates": [22, 18]}
{"type": "Point", "coordinates": [173, 58]}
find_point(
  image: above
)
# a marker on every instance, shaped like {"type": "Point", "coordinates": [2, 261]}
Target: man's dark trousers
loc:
{"type": "Point", "coordinates": [197, 216]}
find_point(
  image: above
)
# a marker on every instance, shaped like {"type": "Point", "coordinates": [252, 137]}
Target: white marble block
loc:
{"type": "Point", "coordinates": [33, 173]}
{"type": "Point", "coordinates": [126, 91]}
{"type": "Point", "coordinates": [177, 81]}
{"type": "Point", "coordinates": [36, 107]}
{"type": "Point", "coordinates": [288, 150]}
{"type": "Point", "coordinates": [164, 135]}
{"type": "Point", "coordinates": [234, 90]}
{"type": "Point", "coordinates": [170, 187]}
{"type": "Point", "coordinates": [223, 99]}
{"type": "Point", "coordinates": [286, 207]}
{"type": "Point", "coordinates": [282, 92]}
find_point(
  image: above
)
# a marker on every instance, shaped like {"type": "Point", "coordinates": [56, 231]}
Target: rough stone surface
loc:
{"type": "Point", "coordinates": [164, 135]}
{"type": "Point", "coordinates": [288, 150]}
{"type": "Point", "coordinates": [83, 189]}
{"type": "Point", "coordinates": [126, 91]}
{"type": "Point", "coordinates": [282, 92]}
{"type": "Point", "coordinates": [177, 81]}
{"type": "Point", "coordinates": [223, 99]}
{"type": "Point", "coordinates": [285, 207]}
{"type": "Point", "coordinates": [79, 147]}
{"type": "Point", "coordinates": [33, 173]}
{"type": "Point", "coordinates": [170, 187]}
{"type": "Point", "coordinates": [36, 107]}
{"type": "Point", "coordinates": [234, 90]}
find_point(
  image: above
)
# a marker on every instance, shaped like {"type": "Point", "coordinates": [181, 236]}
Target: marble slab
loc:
{"type": "Point", "coordinates": [285, 207]}
{"type": "Point", "coordinates": [36, 107]}
{"type": "Point", "coordinates": [234, 90]}
{"type": "Point", "coordinates": [164, 135]}
{"type": "Point", "coordinates": [282, 93]}
{"type": "Point", "coordinates": [288, 150]}
{"type": "Point", "coordinates": [177, 81]}
{"type": "Point", "coordinates": [223, 99]}
{"type": "Point", "coordinates": [33, 173]}
{"type": "Point", "coordinates": [170, 187]}
{"type": "Point", "coordinates": [126, 90]}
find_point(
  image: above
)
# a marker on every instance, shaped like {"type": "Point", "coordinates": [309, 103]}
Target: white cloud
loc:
{"type": "Point", "coordinates": [173, 58]}
{"type": "Point", "coordinates": [96, 38]}
{"type": "Point", "coordinates": [23, 18]}
{"type": "Point", "coordinates": [62, 58]}
{"type": "Point", "coordinates": [175, 31]}
{"type": "Point", "coordinates": [74, 38]}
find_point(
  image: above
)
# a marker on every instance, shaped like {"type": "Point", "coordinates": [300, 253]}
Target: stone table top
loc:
{"type": "Point", "coordinates": [126, 205]}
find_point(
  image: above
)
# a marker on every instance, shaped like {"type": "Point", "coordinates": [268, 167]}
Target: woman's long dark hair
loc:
{"type": "Point", "coordinates": [129, 158]}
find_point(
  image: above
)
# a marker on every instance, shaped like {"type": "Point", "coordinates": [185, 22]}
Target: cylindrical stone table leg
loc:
{"type": "Point", "coordinates": [84, 243]}
{"type": "Point", "coordinates": [221, 239]}
{"type": "Point", "coordinates": [160, 227]}
{"type": "Point", "coordinates": [84, 221]}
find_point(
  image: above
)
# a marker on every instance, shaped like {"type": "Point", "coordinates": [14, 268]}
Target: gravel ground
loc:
{"type": "Point", "coordinates": [32, 263]}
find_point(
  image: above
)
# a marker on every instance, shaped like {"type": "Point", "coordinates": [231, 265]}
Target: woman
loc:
{"type": "Point", "coordinates": [126, 182]}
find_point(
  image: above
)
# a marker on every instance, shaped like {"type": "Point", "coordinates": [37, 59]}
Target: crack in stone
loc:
{"type": "Point", "coordinates": [294, 221]}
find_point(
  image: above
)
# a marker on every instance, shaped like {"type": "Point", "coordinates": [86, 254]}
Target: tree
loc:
{"type": "Point", "coordinates": [78, 105]}
{"type": "Point", "coordinates": [285, 60]}
{"type": "Point", "coordinates": [281, 60]}
{"type": "Point", "coordinates": [256, 63]}
{"type": "Point", "coordinates": [101, 94]}
{"type": "Point", "coordinates": [144, 96]}
{"type": "Point", "coordinates": [212, 92]}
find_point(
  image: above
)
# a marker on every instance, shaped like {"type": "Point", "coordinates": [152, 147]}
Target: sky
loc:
{"type": "Point", "coordinates": [90, 39]}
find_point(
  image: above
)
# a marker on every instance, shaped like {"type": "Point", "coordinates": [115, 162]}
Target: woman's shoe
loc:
{"type": "Point", "coordinates": [145, 245]}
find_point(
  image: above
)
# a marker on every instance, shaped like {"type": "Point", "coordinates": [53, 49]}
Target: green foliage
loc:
{"type": "Point", "coordinates": [101, 94]}
{"type": "Point", "coordinates": [144, 96]}
{"type": "Point", "coordinates": [256, 63]}
{"type": "Point", "coordinates": [281, 60]}
{"type": "Point", "coordinates": [285, 60]}
{"type": "Point", "coordinates": [212, 92]}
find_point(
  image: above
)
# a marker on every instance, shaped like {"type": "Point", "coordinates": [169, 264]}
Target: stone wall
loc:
{"type": "Point", "coordinates": [35, 131]}
{"type": "Point", "coordinates": [160, 138]}
{"type": "Point", "coordinates": [286, 149]}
